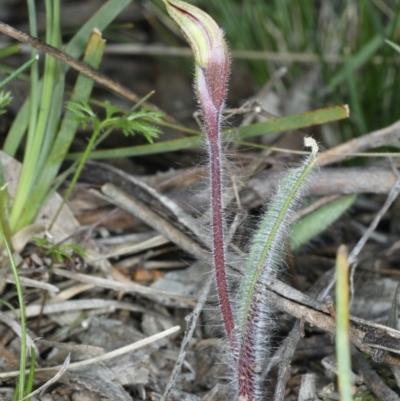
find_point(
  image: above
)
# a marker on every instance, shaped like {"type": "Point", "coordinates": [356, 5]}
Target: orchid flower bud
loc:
{"type": "Point", "coordinates": [211, 54]}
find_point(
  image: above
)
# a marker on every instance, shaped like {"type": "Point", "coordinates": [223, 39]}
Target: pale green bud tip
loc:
{"type": "Point", "coordinates": [201, 31]}
{"type": "Point", "coordinates": [311, 143]}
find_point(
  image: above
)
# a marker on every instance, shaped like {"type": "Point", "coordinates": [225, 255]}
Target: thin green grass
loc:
{"type": "Point", "coordinates": [20, 390]}
{"type": "Point", "coordinates": [47, 141]}
{"type": "Point", "coordinates": [343, 353]}
{"type": "Point", "coordinates": [31, 376]}
{"type": "Point", "coordinates": [18, 71]}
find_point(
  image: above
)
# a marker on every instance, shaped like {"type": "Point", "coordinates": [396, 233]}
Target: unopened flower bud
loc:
{"type": "Point", "coordinates": [211, 54]}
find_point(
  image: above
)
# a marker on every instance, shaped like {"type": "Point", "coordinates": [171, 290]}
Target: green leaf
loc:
{"type": "Point", "coordinates": [7, 243]}
{"type": "Point", "coordinates": [44, 117]}
{"type": "Point", "coordinates": [315, 223]}
{"type": "Point", "coordinates": [267, 245]}
{"type": "Point", "coordinates": [395, 47]}
{"type": "Point", "coordinates": [296, 121]}
{"type": "Point", "coordinates": [356, 61]}
{"type": "Point", "coordinates": [289, 123]}
{"type": "Point", "coordinates": [82, 90]}
{"type": "Point", "coordinates": [100, 20]}
{"type": "Point", "coordinates": [17, 72]}
{"type": "Point", "coordinates": [343, 355]}
{"type": "Point", "coordinates": [31, 377]}
{"type": "Point", "coordinates": [83, 114]}
{"type": "Point", "coordinates": [10, 50]}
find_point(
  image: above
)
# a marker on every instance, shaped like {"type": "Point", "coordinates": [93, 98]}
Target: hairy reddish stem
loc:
{"type": "Point", "coordinates": [247, 364]}
{"type": "Point", "coordinates": [218, 234]}
{"type": "Point", "coordinates": [211, 105]}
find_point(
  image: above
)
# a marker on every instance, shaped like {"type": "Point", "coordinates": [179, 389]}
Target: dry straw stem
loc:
{"type": "Point", "coordinates": [28, 282]}
{"type": "Point", "coordinates": [343, 354]}
{"type": "Point", "coordinates": [352, 259]}
{"type": "Point", "coordinates": [192, 321]}
{"type": "Point", "coordinates": [131, 287]}
{"type": "Point", "coordinates": [73, 63]}
{"type": "Point", "coordinates": [109, 355]}
{"type": "Point", "coordinates": [288, 347]}
{"type": "Point", "coordinates": [8, 319]}
{"type": "Point", "coordinates": [382, 137]}
{"type": "Point", "coordinates": [136, 248]}
{"type": "Point", "coordinates": [370, 338]}
{"type": "Point", "coordinates": [393, 194]}
{"type": "Point", "coordinates": [329, 181]}
{"type": "Point", "coordinates": [140, 210]}
{"type": "Point", "coordinates": [305, 58]}
{"type": "Point", "coordinates": [77, 305]}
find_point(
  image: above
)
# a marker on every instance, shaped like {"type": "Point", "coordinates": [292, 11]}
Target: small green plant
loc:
{"type": "Point", "coordinates": [58, 252]}
{"type": "Point", "coordinates": [248, 321]}
{"type": "Point", "coordinates": [49, 132]}
{"type": "Point", "coordinates": [131, 122]}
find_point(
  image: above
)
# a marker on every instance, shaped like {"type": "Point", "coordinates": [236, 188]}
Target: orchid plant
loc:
{"type": "Point", "coordinates": [247, 317]}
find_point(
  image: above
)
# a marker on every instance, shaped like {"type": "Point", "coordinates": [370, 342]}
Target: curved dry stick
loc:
{"type": "Point", "coordinates": [75, 64]}
{"type": "Point", "coordinates": [375, 139]}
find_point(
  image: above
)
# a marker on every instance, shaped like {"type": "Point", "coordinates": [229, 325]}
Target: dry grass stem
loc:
{"type": "Point", "coordinates": [109, 355]}
{"type": "Point", "coordinates": [375, 139]}
{"type": "Point", "coordinates": [79, 305]}
{"type": "Point", "coordinates": [28, 282]}
{"type": "Point", "coordinates": [130, 288]}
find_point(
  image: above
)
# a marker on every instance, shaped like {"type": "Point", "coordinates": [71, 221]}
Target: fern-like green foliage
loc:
{"type": "Point", "coordinates": [131, 122]}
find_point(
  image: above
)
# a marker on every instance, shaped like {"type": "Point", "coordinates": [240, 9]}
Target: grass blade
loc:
{"type": "Point", "coordinates": [297, 121]}
{"type": "Point", "coordinates": [356, 61]}
{"type": "Point", "coordinates": [392, 44]}
{"type": "Point", "coordinates": [31, 376]}
{"type": "Point", "coordinates": [9, 51]}
{"type": "Point", "coordinates": [76, 46]}
{"type": "Point", "coordinates": [100, 20]}
{"type": "Point", "coordinates": [3, 224]}
{"type": "Point", "coordinates": [18, 71]}
{"type": "Point", "coordinates": [343, 355]}
{"type": "Point", "coordinates": [355, 99]}
{"type": "Point", "coordinates": [39, 137]}
{"type": "Point", "coordinates": [82, 90]}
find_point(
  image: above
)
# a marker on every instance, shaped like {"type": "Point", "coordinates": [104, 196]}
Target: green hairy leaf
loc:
{"type": "Point", "coordinates": [267, 246]}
